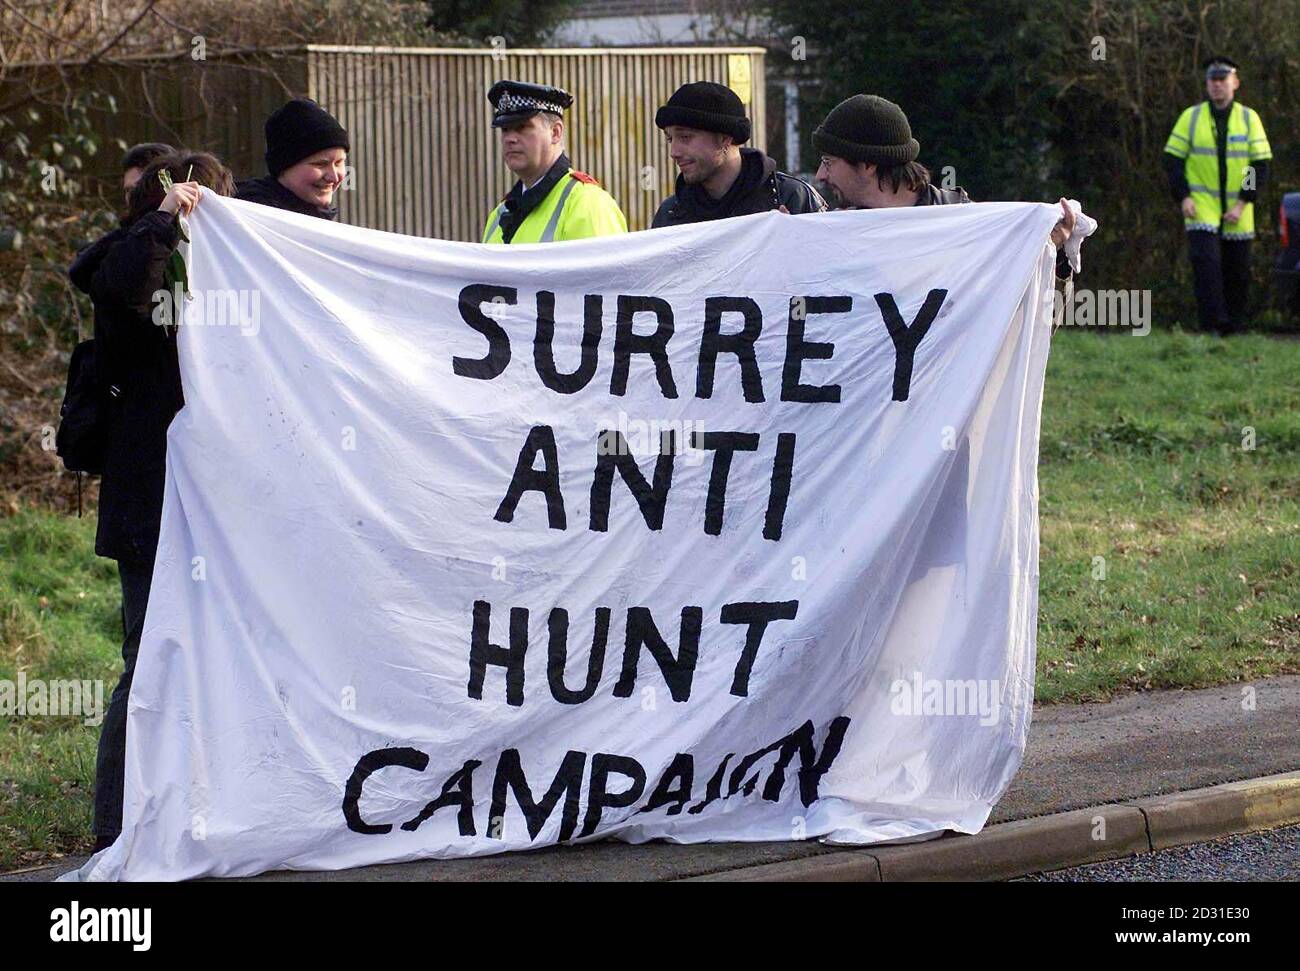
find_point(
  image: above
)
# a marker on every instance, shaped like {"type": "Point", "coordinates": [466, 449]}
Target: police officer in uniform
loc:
{"type": "Point", "coordinates": [551, 200]}
{"type": "Point", "coordinates": [1216, 161]}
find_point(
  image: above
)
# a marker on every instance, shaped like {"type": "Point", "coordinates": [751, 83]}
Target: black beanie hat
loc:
{"type": "Point", "coordinates": [298, 129]}
{"type": "Point", "coordinates": [867, 128]}
{"type": "Point", "coordinates": [707, 106]}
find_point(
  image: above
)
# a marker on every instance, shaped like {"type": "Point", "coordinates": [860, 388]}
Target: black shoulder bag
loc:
{"type": "Point", "coordinates": [82, 438]}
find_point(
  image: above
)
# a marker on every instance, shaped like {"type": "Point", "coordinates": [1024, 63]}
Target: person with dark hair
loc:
{"type": "Point", "coordinates": [705, 125]}
{"type": "Point", "coordinates": [869, 157]}
{"type": "Point", "coordinates": [134, 162]}
{"type": "Point", "coordinates": [137, 364]}
{"type": "Point", "coordinates": [138, 158]}
{"type": "Point", "coordinates": [869, 162]}
{"type": "Point", "coordinates": [306, 161]}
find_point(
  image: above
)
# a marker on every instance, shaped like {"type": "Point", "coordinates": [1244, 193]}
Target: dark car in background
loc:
{"type": "Point", "coordinates": [1286, 270]}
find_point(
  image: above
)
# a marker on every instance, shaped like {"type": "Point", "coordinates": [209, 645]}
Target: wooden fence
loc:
{"type": "Point", "coordinates": [428, 163]}
{"type": "Point", "coordinates": [425, 158]}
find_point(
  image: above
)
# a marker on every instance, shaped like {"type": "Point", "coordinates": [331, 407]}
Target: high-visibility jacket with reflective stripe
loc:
{"type": "Point", "coordinates": [1193, 139]}
{"type": "Point", "coordinates": [573, 209]}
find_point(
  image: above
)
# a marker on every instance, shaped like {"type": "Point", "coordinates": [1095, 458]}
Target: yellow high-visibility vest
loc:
{"type": "Point", "coordinates": [1193, 139]}
{"type": "Point", "coordinates": [575, 208]}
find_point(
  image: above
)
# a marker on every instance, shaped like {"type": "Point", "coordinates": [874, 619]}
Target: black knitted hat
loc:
{"type": "Point", "coordinates": [867, 128]}
{"type": "Point", "coordinates": [707, 106]}
{"type": "Point", "coordinates": [298, 129]}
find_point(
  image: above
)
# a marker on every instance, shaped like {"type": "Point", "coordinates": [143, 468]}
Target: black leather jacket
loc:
{"type": "Point", "coordinates": [932, 195]}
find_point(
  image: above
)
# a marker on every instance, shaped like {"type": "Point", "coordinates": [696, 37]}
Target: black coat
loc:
{"type": "Point", "coordinates": [88, 257]}
{"type": "Point", "coordinates": [268, 191]}
{"type": "Point", "coordinates": [758, 188]}
{"type": "Point", "coordinates": [932, 195]}
{"type": "Point", "coordinates": [121, 272]}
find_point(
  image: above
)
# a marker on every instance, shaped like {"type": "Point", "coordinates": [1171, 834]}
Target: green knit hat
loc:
{"type": "Point", "coordinates": [867, 128]}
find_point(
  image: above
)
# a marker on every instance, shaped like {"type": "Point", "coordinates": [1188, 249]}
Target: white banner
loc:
{"type": "Point", "coordinates": [725, 532]}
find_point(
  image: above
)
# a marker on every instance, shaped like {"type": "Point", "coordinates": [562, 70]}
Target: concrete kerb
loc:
{"type": "Point", "coordinates": [1007, 850]}
{"type": "Point", "coordinates": [1014, 849]}
{"type": "Point", "coordinates": [1235, 807]}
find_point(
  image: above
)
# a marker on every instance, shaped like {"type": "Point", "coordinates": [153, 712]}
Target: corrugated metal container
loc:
{"type": "Point", "coordinates": [428, 163]}
{"type": "Point", "coordinates": [425, 158]}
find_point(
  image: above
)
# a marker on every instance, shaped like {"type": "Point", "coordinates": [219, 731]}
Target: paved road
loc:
{"type": "Point", "coordinates": [1273, 855]}
{"type": "Point", "coordinates": [1078, 756]}
{"type": "Point", "coordinates": [1153, 743]}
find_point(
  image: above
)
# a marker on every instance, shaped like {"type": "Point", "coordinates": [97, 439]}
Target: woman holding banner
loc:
{"type": "Point", "coordinates": [137, 363]}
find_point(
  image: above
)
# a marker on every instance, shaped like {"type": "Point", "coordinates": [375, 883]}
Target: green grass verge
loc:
{"type": "Point", "coordinates": [59, 619]}
{"type": "Point", "coordinates": [1142, 465]}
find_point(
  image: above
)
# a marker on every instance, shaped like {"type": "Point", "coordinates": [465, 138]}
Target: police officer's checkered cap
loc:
{"type": "Point", "coordinates": [519, 99]}
{"type": "Point", "coordinates": [510, 103]}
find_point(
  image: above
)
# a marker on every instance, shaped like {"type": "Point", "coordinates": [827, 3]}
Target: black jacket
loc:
{"type": "Point", "coordinates": [88, 257]}
{"type": "Point", "coordinates": [268, 191]}
{"type": "Point", "coordinates": [758, 188]}
{"type": "Point", "coordinates": [121, 272]}
{"type": "Point", "coordinates": [932, 195]}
